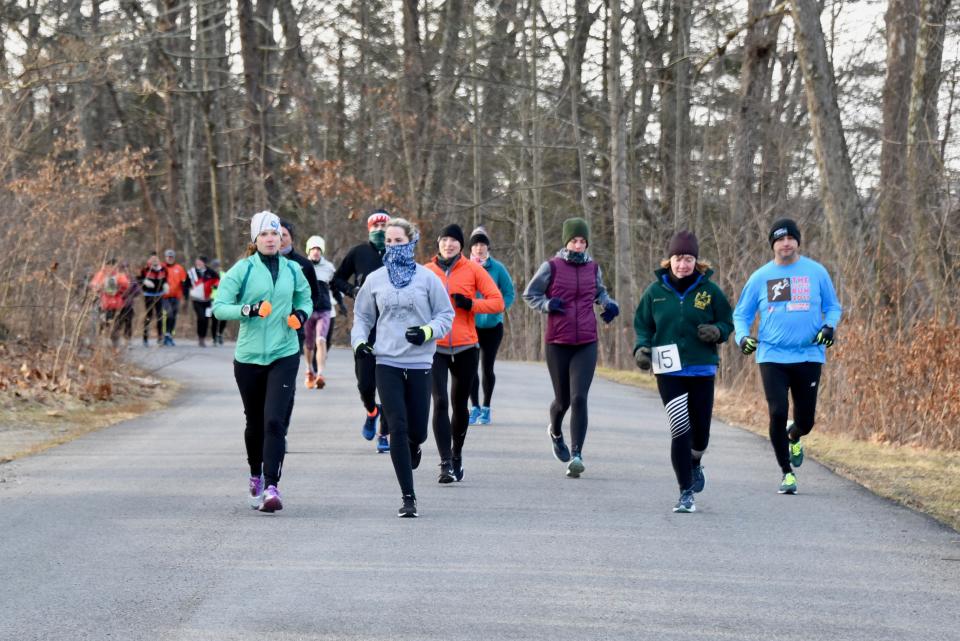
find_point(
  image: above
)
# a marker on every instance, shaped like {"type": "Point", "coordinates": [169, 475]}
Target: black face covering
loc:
{"type": "Point", "coordinates": [447, 263]}
{"type": "Point", "coordinates": [685, 283]}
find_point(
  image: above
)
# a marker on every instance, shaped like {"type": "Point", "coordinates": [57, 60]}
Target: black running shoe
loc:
{"type": "Point", "coordinates": [458, 468]}
{"type": "Point", "coordinates": [560, 450]}
{"type": "Point", "coordinates": [446, 473]}
{"type": "Point", "coordinates": [409, 508]}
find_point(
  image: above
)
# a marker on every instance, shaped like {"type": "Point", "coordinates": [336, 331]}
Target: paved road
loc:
{"type": "Point", "coordinates": [141, 531]}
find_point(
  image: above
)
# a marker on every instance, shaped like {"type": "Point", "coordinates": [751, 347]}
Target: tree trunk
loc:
{"type": "Point", "coordinates": [675, 120]}
{"type": "Point", "coordinates": [625, 283]}
{"type": "Point", "coordinates": [893, 199]}
{"type": "Point", "coordinates": [925, 165]}
{"type": "Point", "coordinates": [841, 202]}
{"type": "Point", "coordinates": [756, 71]}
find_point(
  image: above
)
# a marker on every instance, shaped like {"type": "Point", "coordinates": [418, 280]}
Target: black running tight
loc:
{"type": "Point", "coordinates": [801, 380]}
{"type": "Point", "coordinates": [267, 394]}
{"type": "Point", "coordinates": [571, 370]}
{"type": "Point", "coordinates": [489, 340]}
{"type": "Point", "coordinates": [405, 395]}
{"type": "Point", "coordinates": [688, 401]}
{"type": "Point", "coordinates": [462, 368]}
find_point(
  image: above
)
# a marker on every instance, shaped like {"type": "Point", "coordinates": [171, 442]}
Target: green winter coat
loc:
{"type": "Point", "coordinates": [263, 340]}
{"type": "Point", "coordinates": [664, 317]}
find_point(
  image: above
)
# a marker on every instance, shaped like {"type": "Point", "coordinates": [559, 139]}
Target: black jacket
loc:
{"type": "Point", "coordinates": [311, 275]}
{"type": "Point", "coordinates": [360, 262]}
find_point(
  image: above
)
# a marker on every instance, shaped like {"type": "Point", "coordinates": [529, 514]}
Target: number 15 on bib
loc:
{"type": "Point", "coordinates": [666, 359]}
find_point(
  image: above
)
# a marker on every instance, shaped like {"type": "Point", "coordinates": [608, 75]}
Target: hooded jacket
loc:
{"type": "Point", "coordinates": [468, 278]}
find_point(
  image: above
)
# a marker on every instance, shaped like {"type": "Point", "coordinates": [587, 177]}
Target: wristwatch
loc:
{"type": "Point", "coordinates": [245, 310]}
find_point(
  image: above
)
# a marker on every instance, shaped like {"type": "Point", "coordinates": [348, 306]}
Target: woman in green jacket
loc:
{"type": "Point", "coordinates": [271, 298]}
{"type": "Point", "coordinates": [679, 322]}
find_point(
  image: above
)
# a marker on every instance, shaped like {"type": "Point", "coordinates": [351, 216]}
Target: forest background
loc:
{"type": "Point", "coordinates": [128, 126]}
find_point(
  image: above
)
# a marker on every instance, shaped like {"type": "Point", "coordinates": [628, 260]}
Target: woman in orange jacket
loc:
{"type": "Point", "coordinates": [458, 352]}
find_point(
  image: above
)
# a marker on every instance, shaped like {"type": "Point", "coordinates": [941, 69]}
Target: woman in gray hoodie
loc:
{"type": "Point", "coordinates": [410, 307]}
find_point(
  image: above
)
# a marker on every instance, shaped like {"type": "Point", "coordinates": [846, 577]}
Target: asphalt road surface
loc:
{"type": "Point", "coordinates": [141, 531]}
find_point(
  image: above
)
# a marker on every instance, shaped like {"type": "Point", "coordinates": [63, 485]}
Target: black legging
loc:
{"type": "Point", "coordinates": [203, 321]}
{"type": "Point", "coordinates": [405, 394]}
{"type": "Point", "coordinates": [171, 308]}
{"type": "Point", "coordinates": [802, 381]}
{"type": "Point", "coordinates": [267, 395]}
{"type": "Point", "coordinates": [489, 340]}
{"type": "Point", "coordinates": [463, 369]}
{"type": "Point", "coordinates": [571, 370]}
{"type": "Point", "coordinates": [688, 401]}
{"type": "Point", "coordinates": [365, 368]}
{"type": "Point", "coordinates": [152, 308]}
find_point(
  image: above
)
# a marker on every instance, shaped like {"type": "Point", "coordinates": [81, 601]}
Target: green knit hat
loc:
{"type": "Point", "coordinates": [573, 227]}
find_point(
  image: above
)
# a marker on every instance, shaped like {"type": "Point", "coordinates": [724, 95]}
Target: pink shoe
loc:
{"type": "Point", "coordinates": [271, 500]}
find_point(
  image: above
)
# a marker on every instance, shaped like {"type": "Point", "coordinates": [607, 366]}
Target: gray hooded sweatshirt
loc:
{"type": "Point", "coordinates": [424, 301]}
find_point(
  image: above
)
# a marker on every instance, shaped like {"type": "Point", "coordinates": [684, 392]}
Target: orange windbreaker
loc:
{"type": "Point", "coordinates": [467, 278]}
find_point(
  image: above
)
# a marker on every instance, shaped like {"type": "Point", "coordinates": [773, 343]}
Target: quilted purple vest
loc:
{"type": "Point", "coordinates": [576, 286]}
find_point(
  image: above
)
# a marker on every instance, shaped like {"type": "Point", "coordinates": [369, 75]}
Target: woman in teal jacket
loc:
{"type": "Point", "coordinates": [680, 320]}
{"type": "Point", "coordinates": [489, 326]}
{"type": "Point", "coordinates": [271, 298]}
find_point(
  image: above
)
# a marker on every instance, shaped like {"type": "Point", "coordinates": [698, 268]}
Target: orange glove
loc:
{"type": "Point", "coordinates": [296, 319]}
{"type": "Point", "coordinates": [265, 309]}
{"type": "Point", "coordinates": [261, 309]}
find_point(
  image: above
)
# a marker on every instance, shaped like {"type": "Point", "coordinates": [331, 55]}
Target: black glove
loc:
{"type": "Point", "coordinates": [824, 336]}
{"type": "Point", "coordinates": [708, 333]}
{"type": "Point", "coordinates": [363, 350]}
{"type": "Point", "coordinates": [354, 291]}
{"type": "Point", "coordinates": [610, 311]}
{"type": "Point", "coordinates": [748, 345]}
{"type": "Point", "coordinates": [642, 357]}
{"type": "Point", "coordinates": [554, 306]}
{"type": "Point", "coordinates": [463, 302]}
{"type": "Point", "coordinates": [419, 335]}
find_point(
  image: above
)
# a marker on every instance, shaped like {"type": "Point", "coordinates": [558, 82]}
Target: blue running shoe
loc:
{"type": "Point", "coordinates": [685, 503]}
{"type": "Point", "coordinates": [474, 415]}
{"type": "Point", "coordinates": [698, 480]}
{"type": "Point", "coordinates": [383, 445]}
{"type": "Point", "coordinates": [458, 468]}
{"type": "Point", "coordinates": [370, 424]}
{"type": "Point", "coordinates": [576, 467]}
{"type": "Point", "coordinates": [560, 450]}
{"type": "Point", "coordinates": [484, 418]}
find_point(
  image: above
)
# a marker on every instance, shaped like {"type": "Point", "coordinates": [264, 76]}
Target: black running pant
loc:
{"type": "Point", "coordinates": [489, 340]}
{"type": "Point", "coordinates": [267, 394]}
{"type": "Point", "coordinates": [203, 321]}
{"type": "Point", "coordinates": [405, 394]}
{"type": "Point", "coordinates": [802, 381]}
{"type": "Point", "coordinates": [125, 321]}
{"type": "Point", "coordinates": [366, 370]}
{"type": "Point", "coordinates": [688, 401]}
{"type": "Point", "coordinates": [152, 308]}
{"type": "Point", "coordinates": [462, 368]}
{"type": "Point", "coordinates": [218, 326]}
{"type": "Point", "coordinates": [571, 370]}
{"type": "Point", "coordinates": [171, 307]}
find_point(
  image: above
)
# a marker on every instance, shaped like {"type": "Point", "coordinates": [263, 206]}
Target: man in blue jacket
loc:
{"type": "Point", "coordinates": [799, 312]}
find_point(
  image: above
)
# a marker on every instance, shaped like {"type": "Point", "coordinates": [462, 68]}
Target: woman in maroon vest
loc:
{"type": "Point", "coordinates": [566, 287]}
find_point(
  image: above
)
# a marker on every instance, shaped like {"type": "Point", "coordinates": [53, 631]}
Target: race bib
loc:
{"type": "Point", "coordinates": [666, 359]}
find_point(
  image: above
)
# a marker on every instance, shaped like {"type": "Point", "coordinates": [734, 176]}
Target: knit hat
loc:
{"type": "Point", "coordinates": [263, 221]}
{"type": "Point", "coordinates": [452, 231]}
{"type": "Point", "coordinates": [377, 217]}
{"type": "Point", "coordinates": [784, 227]}
{"type": "Point", "coordinates": [573, 227]}
{"type": "Point", "coordinates": [479, 235]}
{"type": "Point", "coordinates": [286, 224]}
{"type": "Point", "coordinates": [684, 243]}
{"type": "Point", "coordinates": [316, 241]}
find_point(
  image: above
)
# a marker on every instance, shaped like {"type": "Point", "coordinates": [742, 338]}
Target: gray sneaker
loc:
{"type": "Point", "coordinates": [685, 503]}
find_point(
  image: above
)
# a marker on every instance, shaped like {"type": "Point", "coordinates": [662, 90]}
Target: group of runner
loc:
{"type": "Point", "coordinates": [419, 328]}
{"type": "Point", "coordinates": [165, 286]}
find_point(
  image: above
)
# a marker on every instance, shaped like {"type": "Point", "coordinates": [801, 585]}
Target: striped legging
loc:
{"type": "Point", "coordinates": [688, 401]}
